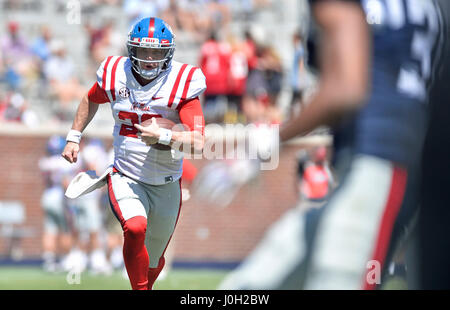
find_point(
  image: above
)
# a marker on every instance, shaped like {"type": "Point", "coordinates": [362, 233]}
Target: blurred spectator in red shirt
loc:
{"type": "Point", "coordinates": [316, 180]}
{"type": "Point", "coordinates": [214, 62]}
{"type": "Point", "coordinates": [237, 79]}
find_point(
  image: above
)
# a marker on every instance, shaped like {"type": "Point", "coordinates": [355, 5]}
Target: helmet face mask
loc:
{"type": "Point", "coordinates": [149, 62]}
{"type": "Point", "coordinates": [150, 47]}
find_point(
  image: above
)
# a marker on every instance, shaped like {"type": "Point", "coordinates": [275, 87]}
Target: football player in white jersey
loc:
{"type": "Point", "coordinates": [144, 187]}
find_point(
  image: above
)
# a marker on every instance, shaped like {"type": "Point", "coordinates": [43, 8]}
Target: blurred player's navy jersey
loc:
{"type": "Point", "coordinates": [432, 224]}
{"type": "Point", "coordinates": [392, 123]}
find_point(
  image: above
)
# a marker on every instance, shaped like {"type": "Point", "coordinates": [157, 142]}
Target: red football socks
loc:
{"type": "Point", "coordinates": [135, 253]}
{"type": "Point", "coordinates": [153, 273]}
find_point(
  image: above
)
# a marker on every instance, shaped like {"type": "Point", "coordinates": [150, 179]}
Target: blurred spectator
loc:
{"type": "Point", "coordinates": [41, 45]}
{"type": "Point", "coordinates": [256, 98]}
{"type": "Point", "coordinates": [41, 51]}
{"type": "Point", "coordinates": [104, 41]}
{"type": "Point", "coordinates": [316, 180]}
{"type": "Point", "coordinates": [21, 66]}
{"type": "Point", "coordinates": [56, 239]}
{"type": "Point", "coordinates": [214, 62]}
{"type": "Point", "coordinates": [14, 108]}
{"type": "Point", "coordinates": [3, 106]}
{"type": "Point", "coordinates": [177, 14]}
{"type": "Point", "coordinates": [219, 13]}
{"type": "Point", "coordinates": [114, 234]}
{"type": "Point", "coordinates": [16, 57]}
{"type": "Point", "coordinates": [138, 9]}
{"type": "Point", "coordinates": [297, 78]}
{"type": "Point", "coordinates": [58, 67]}
{"type": "Point", "coordinates": [250, 50]}
{"type": "Point", "coordinates": [13, 45]}
{"type": "Point", "coordinates": [60, 73]}
{"type": "Point", "coordinates": [196, 17]}
{"type": "Point", "coordinates": [246, 9]}
{"type": "Point", "coordinates": [237, 79]}
{"type": "Point", "coordinates": [188, 19]}
{"type": "Point", "coordinates": [270, 64]}
{"type": "Point", "coordinates": [263, 84]}
{"type": "Point", "coordinates": [88, 221]}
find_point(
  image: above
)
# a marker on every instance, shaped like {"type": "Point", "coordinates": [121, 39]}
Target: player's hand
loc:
{"type": "Point", "coordinates": [149, 140]}
{"type": "Point", "coordinates": [149, 134]}
{"type": "Point", "coordinates": [70, 152]}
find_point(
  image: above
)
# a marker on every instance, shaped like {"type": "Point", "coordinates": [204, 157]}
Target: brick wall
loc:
{"type": "Point", "coordinates": [21, 180]}
{"type": "Point", "coordinates": [204, 232]}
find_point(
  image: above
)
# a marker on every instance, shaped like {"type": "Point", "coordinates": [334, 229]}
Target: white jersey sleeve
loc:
{"type": "Point", "coordinates": [197, 84]}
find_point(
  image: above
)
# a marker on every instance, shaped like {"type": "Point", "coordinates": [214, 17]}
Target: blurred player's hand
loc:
{"type": "Point", "coordinates": [70, 152]}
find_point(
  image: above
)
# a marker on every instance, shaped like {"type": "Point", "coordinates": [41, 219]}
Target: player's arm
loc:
{"type": "Point", "coordinates": [191, 115]}
{"type": "Point", "coordinates": [190, 140]}
{"type": "Point", "coordinates": [344, 66]}
{"type": "Point", "coordinates": [85, 113]}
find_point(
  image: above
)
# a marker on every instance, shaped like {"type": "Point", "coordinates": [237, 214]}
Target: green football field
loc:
{"type": "Point", "coordinates": [34, 278]}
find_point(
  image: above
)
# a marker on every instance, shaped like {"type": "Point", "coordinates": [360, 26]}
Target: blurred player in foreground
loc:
{"type": "Point", "coordinates": [433, 245]}
{"type": "Point", "coordinates": [373, 92]}
{"type": "Point", "coordinates": [379, 147]}
{"type": "Point", "coordinates": [380, 133]}
{"type": "Point", "coordinates": [144, 185]}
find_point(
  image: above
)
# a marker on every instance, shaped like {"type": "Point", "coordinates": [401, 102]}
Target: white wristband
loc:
{"type": "Point", "coordinates": [74, 136]}
{"type": "Point", "coordinates": [165, 136]}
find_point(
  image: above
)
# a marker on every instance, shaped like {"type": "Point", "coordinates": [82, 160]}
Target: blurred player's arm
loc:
{"type": "Point", "coordinates": [344, 63]}
{"type": "Point", "coordinates": [85, 113]}
{"type": "Point", "coordinates": [191, 116]}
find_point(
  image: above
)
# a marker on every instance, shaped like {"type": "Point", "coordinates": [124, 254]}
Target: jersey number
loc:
{"type": "Point", "coordinates": [423, 14]}
{"type": "Point", "coordinates": [129, 130]}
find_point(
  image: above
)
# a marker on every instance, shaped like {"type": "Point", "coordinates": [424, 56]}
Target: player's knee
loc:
{"type": "Point", "coordinates": [135, 227]}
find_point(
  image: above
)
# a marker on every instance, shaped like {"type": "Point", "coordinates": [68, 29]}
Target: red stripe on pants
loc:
{"type": "Point", "coordinates": [393, 205]}
{"type": "Point", "coordinates": [114, 203]}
